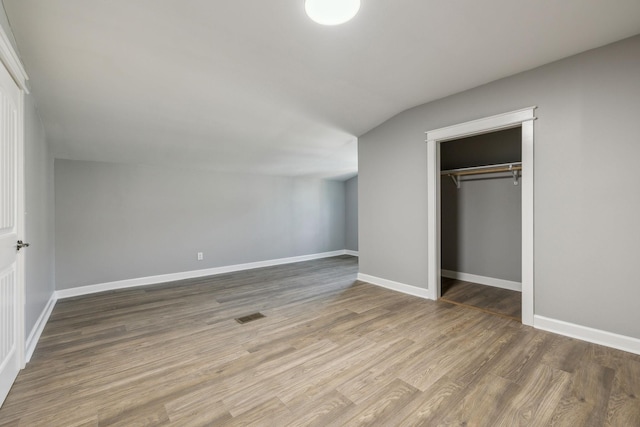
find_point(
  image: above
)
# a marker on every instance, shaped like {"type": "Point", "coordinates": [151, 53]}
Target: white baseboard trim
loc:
{"type": "Point", "coordinates": [350, 252]}
{"type": "Point", "coordinates": [395, 286]}
{"type": "Point", "coordinates": [584, 333]}
{"type": "Point", "coordinates": [483, 280]}
{"type": "Point", "coordinates": [171, 277]}
{"type": "Point", "coordinates": [34, 336]}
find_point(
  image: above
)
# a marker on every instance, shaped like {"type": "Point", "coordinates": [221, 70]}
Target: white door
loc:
{"type": "Point", "coordinates": [10, 292]}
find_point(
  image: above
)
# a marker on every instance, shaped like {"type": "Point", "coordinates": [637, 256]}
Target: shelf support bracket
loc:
{"type": "Point", "coordinates": [455, 180]}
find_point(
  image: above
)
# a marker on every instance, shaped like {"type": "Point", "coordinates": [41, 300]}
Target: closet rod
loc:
{"type": "Point", "coordinates": [503, 167]}
{"type": "Point", "coordinates": [513, 168]}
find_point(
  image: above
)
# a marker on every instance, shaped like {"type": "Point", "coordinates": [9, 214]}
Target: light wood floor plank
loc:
{"type": "Point", "coordinates": [534, 402]}
{"type": "Point", "coordinates": [481, 404]}
{"type": "Point", "coordinates": [427, 405]}
{"type": "Point", "coordinates": [624, 403]}
{"type": "Point", "coordinates": [586, 399]}
{"type": "Point", "coordinates": [486, 298]}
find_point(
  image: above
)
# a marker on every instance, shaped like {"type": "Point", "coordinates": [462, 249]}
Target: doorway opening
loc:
{"type": "Point", "coordinates": [522, 119]}
{"type": "Point", "coordinates": [481, 222]}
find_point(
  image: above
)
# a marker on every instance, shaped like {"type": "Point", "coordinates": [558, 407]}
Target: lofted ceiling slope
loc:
{"type": "Point", "coordinates": [255, 86]}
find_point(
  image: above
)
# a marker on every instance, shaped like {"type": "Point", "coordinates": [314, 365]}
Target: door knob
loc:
{"type": "Point", "coordinates": [21, 245]}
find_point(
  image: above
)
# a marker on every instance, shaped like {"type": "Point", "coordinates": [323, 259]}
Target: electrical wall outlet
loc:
{"type": "Point", "coordinates": [200, 256]}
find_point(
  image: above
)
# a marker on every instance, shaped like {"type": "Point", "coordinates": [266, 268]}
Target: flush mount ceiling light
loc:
{"type": "Point", "coordinates": [331, 12]}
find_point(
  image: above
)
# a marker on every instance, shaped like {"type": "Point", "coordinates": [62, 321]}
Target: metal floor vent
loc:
{"type": "Point", "coordinates": [249, 318]}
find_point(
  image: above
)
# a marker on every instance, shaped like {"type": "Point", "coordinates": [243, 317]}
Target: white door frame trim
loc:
{"type": "Point", "coordinates": [524, 118]}
{"type": "Point", "coordinates": [11, 61]}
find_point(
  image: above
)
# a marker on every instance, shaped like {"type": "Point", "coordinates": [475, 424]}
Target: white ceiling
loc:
{"type": "Point", "coordinates": [255, 86]}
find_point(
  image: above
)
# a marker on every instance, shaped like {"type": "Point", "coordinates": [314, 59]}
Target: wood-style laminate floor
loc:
{"type": "Point", "coordinates": [502, 302]}
{"type": "Point", "coordinates": [330, 351]}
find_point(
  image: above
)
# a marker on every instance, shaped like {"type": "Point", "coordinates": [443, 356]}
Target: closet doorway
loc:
{"type": "Point", "coordinates": [481, 230]}
{"type": "Point", "coordinates": [522, 120]}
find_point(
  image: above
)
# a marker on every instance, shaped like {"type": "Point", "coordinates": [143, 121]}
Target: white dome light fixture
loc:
{"type": "Point", "coordinates": [331, 12]}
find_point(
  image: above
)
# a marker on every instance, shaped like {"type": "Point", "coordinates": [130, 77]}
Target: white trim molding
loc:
{"type": "Point", "coordinates": [483, 280]}
{"type": "Point", "coordinates": [434, 223]}
{"type": "Point", "coordinates": [350, 252]}
{"type": "Point", "coordinates": [528, 304]}
{"type": "Point", "coordinates": [394, 286]}
{"type": "Point", "coordinates": [34, 336]}
{"type": "Point", "coordinates": [11, 61]}
{"type": "Point", "coordinates": [484, 125]}
{"type": "Point", "coordinates": [584, 333]}
{"type": "Point", "coordinates": [172, 277]}
{"type": "Point", "coordinates": [524, 118]}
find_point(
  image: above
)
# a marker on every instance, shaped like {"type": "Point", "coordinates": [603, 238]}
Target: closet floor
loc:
{"type": "Point", "coordinates": [501, 302]}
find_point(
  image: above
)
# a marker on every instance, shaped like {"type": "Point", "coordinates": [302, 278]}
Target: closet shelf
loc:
{"type": "Point", "coordinates": [512, 168]}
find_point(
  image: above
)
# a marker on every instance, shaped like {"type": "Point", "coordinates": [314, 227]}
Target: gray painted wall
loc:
{"type": "Point", "coordinates": [585, 188]}
{"type": "Point", "coordinates": [39, 206]}
{"type": "Point", "coordinates": [119, 221]}
{"type": "Point", "coordinates": [482, 220]}
{"type": "Point", "coordinates": [351, 211]}
{"type": "Point", "coordinates": [39, 257]}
